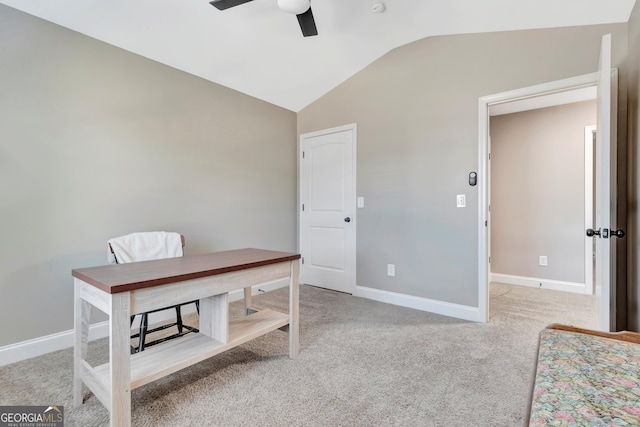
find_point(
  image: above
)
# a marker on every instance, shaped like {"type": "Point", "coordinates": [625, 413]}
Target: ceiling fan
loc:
{"type": "Point", "coordinates": [300, 8]}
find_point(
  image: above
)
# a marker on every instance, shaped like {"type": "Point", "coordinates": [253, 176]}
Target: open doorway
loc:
{"type": "Point", "coordinates": [531, 94]}
{"type": "Point", "coordinates": [541, 201]}
{"type": "Point", "coordinates": [538, 196]}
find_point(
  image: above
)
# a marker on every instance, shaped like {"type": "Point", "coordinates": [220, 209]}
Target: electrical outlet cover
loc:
{"type": "Point", "coordinates": [391, 269]}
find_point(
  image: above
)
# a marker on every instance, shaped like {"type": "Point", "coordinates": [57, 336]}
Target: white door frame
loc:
{"type": "Point", "coordinates": [354, 128]}
{"type": "Point", "coordinates": [484, 103]}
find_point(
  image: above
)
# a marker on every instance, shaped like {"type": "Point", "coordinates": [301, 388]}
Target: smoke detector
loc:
{"type": "Point", "coordinates": [378, 7]}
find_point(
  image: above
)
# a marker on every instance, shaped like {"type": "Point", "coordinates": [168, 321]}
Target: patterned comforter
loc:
{"type": "Point", "coordinates": [585, 380]}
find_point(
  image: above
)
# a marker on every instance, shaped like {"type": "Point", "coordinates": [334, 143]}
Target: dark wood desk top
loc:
{"type": "Point", "coordinates": [115, 278]}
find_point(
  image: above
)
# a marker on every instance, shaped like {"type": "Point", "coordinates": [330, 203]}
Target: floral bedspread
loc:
{"type": "Point", "coordinates": [584, 380]}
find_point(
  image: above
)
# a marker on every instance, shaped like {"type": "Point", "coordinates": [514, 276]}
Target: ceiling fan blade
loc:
{"type": "Point", "coordinates": [226, 4]}
{"type": "Point", "coordinates": [307, 23]}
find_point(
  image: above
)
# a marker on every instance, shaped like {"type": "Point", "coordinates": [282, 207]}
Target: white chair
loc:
{"type": "Point", "coordinates": [146, 246]}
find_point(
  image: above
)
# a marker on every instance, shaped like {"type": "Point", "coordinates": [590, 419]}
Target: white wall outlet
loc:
{"type": "Point", "coordinates": [360, 202]}
{"type": "Point", "coordinates": [542, 261]}
{"type": "Point", "coordinates": [391, 269]}
{"type": "Point", "coordinates": [461, 200]}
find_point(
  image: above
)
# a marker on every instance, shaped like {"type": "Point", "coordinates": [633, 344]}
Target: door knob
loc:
{"type": "Point", "coordinates": [591, 232]}
{"type": "Point", "coordinates": [347, 219]}
{"type": "Point", "coordinates": [617, 233]}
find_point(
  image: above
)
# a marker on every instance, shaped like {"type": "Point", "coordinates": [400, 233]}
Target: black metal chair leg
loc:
{"type": "Point", "coordinates": [133, 349]}
{"type": "Point", "coordinates": [144, 323]}
{"type": "Point", "coordinates": [178, 319]}
{"type": "Point", "coordinates": [198, 306]}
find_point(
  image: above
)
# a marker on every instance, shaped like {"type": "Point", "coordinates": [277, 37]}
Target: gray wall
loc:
{"type": "Point", "coordinates": [634, 160]}
{"type": "Point", "coordinates": [417, 115]}
{"type": "Point", "coordinates": [96, 142]}
{"type": "Point", "coordinates": [537, 191]}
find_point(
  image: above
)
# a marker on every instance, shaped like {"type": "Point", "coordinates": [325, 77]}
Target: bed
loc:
{"type": "Point", "coordinates": [586, 378]}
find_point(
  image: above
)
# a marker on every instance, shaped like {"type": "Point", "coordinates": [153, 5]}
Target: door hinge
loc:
{"type": "Point", "coordinates": [489, 260]}
{"type": "Point", "coordinates": [303, 154]}
{"type": "Point", "coordinates": [302, 259]}
{"type": "Point", "coordinates": [303, 207]}
{"type": "Point", "coordinates": [485, 223]}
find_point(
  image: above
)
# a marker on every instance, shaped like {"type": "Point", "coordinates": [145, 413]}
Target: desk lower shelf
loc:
{"type": "Point", "coordinates": [170, 357]}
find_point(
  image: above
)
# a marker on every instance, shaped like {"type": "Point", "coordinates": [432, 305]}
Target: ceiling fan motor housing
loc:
{"type": "Point", "coordinates": [295, 7]}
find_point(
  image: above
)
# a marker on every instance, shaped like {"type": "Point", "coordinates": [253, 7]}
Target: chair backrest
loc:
{"type": "Point", "coordinates": [144, 246]}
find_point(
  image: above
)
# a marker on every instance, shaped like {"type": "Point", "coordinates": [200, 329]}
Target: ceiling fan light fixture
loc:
{"type": "Point", "coordinates": [295, 7]}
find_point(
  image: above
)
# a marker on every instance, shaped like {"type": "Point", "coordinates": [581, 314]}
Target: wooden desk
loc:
{"type": "Point", "coordinates": [121, 290]}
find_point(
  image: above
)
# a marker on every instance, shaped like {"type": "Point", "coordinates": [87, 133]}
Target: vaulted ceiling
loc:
{"type": "Point", "coordinates": [258, 49]}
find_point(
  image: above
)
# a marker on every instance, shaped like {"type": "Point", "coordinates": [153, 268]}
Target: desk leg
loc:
{"type": "Point", "coordinates": [119, 353]}
{"type": "Point", "coordinates": [294, 309]}
{"type": "Point", "coordinates": [248, 306]}
{"type": "Point", "coordinates": [82, 314]}
{"type": "Point", "coordinates": [214, 317]}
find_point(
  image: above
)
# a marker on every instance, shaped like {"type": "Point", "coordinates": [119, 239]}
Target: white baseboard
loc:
{"type": "Point", "coordinates": [458, 311]}
{"type": "Point", "coordinates": [533, 282]}
{"type": "Point", "coordinates": [38, 346]}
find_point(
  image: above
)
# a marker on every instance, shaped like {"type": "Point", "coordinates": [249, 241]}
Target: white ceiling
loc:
{"type": "Point", "coordinates": [257, 49]}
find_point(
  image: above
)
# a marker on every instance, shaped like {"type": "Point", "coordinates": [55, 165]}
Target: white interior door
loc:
{"type": "Point", "coordinates": [605, 198]}
{"type": "Point", "coordinates": [327, 217]}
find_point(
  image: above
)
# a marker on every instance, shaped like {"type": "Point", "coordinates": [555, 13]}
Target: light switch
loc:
{"type": "Point", "coordinates": [360, 202]}
{"type": "Point", "coordinates": [461, 200]}
{"type": "Point", "coordinates": [542, 261]}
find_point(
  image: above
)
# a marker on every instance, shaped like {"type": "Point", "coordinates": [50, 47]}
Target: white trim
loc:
{"type": "Point", "coordinates": [17, 352]}
{"type": "Point", "coordinates": [557, 86]}
{"type": "Point", "coordinates": [589, 148]}
{"type": "Point", "coordinates": [337, 129]}
{"type": "Point", "coordinates": [438, 307]}
{"type": "Point", "coordinates": [584, 94]}
{"type": "Point", "coordinates": [38, 346]}
{"type": "Point", "coordinates": [484, 103]}
{"type": "Point", "coordinates": [483, 210]}
{"type": "Point", "coordinates": [536, 282]}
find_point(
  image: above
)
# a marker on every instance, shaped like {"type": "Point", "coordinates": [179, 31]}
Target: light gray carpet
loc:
{"type": "Point", "coordinates": [362, 363]}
